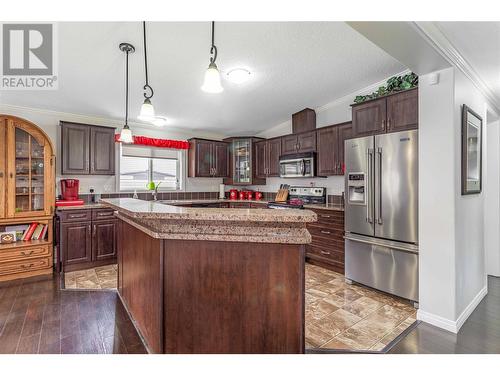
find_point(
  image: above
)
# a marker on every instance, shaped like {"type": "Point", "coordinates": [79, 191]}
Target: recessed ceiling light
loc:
{"type": "Point", "coordinates": [239, 75]}
{"type": "Point", "coordinates": [159, 121]}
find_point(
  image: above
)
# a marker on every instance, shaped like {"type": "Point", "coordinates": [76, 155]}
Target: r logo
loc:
{"type": "Point", "coordinates": [27, 50]}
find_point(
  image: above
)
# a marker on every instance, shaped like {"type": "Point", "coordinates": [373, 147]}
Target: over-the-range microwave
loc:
{"type": "Point", "coordinates": [297, 165]}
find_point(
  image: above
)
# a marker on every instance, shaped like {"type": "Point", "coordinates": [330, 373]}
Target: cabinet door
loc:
{"type": "Point", "coordinates": [402, 111]}
{"type": "Point", "coordinates": [273, 157]}
{"type": "Point", "coordinates": [344, 132]}
{"type": "Point", "coordinates": [204, 156]}
{"type": "Point", "coordinates": [75, 148]}
{"type": "Point", "coordinates": [260, 159]}
{"type": "Point", "coordinates": [30, 171]}
{"type": "Point", "coordinates": [3, 172]}
{"type": "Point", "coordinates": [221, 159]}
{"type": "Point", "coordinates": [104, 239]}
{"type": "Point", "coordinates": [369, 118]}
{"type": "Point", "coordinates": [327, 144]}
{"type": "Point", "coordinates": [307, 142]}
{"type": "Point", "coordinates": [289, 144]}
{"type": "Point", "coordinates": [102, 151]}
{"type": "Point", "coordinates": [76, 243]}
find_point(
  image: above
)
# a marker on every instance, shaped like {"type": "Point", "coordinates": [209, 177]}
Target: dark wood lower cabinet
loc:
{"type": "Point", "coordinates": [213, 297]}
{"type": "Point", "coordinates": [88, 238]}
{"type": "Point", "coordinates": [327, 247]}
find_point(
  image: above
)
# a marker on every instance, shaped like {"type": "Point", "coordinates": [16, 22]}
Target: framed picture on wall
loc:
{"type": "Point", "coordinates": [472, 150]}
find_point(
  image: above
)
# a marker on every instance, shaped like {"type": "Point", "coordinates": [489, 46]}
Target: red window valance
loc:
{"type": "Point", "coordinates": [157, 142]}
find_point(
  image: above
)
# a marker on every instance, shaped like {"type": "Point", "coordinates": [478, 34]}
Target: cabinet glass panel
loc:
{"type": "Point", "coordinates": [30, 170]}
{"type": "Point", "coordinates": [242, 167]}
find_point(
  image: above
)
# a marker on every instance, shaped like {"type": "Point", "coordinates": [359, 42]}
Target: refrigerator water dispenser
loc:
{"type": "Point", "coordinates": [356, 188]}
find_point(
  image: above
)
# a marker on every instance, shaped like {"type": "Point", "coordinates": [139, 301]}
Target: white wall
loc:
{"type": "Point", "coordinates": [49, 122]}
{"type": "Point", "coordinates": [492, 200]}
{"type": "Point", "coordinates": [469, 209]}
{"type": "Point", "coordinates": [452, 277]}
{"type": "Point", "coordinates": [331, 113]}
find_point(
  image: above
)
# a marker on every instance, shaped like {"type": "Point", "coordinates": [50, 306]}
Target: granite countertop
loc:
{"type": "Point", "coordinates": [136, 208]}
{"type": "Point", "coordinates": [86, 206]}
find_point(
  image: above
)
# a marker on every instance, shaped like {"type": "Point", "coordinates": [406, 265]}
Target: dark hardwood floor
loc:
{"type": "Point", "coordinates": [480, 333]}
{"type": "Point", "coordinates": [37, 317]}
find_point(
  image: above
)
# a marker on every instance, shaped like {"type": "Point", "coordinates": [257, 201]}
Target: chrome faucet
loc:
{"type": "Point", "coordinates": [155, 191]}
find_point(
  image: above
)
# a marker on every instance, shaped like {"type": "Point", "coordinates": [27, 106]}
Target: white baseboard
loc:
{"type": "Point", "coordinates": [448, 324]}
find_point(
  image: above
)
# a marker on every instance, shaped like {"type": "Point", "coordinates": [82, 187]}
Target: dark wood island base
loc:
{"type": "Point", "coordinates": [210, 296]}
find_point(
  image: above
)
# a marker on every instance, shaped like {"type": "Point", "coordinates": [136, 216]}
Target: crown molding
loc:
{"type": "Point", "coordinates": [103, 121]}
{"type": "Point", "coordinates": [436, 38]}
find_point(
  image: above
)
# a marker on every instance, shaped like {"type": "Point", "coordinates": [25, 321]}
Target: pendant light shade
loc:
{"type": "Point", "coordinates": [126, 133]}
{"type": "Point", "coordinates": [147, 110]}
{"type": "Point", "coordinates": [212, 81]}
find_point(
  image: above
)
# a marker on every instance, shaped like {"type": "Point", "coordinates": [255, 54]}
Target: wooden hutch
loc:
{"type": "Point", "coordinates": [27, 182]}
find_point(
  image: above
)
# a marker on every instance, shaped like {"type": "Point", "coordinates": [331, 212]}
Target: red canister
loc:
{"type": "Point", "coordinates": [258, 195]}
{"type": "Point", "coordinates": [249, 195]}
{"type": "Point", "coordinates": [233, 194]}
{"type": "Point", "coordinates": [242, 195]}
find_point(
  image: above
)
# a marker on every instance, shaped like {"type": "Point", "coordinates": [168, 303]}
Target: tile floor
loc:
{"type": "Point", "coordinates": [353, 317]}
{"type": "Point", "coordinates": [104, 277]}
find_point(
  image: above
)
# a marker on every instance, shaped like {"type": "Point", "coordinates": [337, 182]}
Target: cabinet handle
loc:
{"type": "Point", "coordinates": [95, 230]}
{"type": "Point", "coordinates": [326, 232]}
{"type": "Point", "coordinates": [25, 266]}
{"type": "Point", "coordinates": [77, 216]}
{"type": "Point", "coordinates": [1, 174]}
{"type": "Point", "coordinates": [383, 124]}
{"type": "Point", "coordinates": [388, 123]}
{"type": "Point", "coordinates": [325, 252]}
{"type": "Point", "coordinates": [11, 175]}
{"type": "Point", "coordinates": [325, 216]}
{"type": "Point", "coordinates": [27, 254]}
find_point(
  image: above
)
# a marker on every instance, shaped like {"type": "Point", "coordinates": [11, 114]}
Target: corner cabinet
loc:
{"type": "Point", "coordinates": [87, 149]}
{"type": "Point", "coordinates": [27, 182]}
{"type": "Point", "coordinates": [392, 113]}
{"type": "Point", "coordinates": [208, 158]}
{"type": "Point", "coordinates": [242, 162]}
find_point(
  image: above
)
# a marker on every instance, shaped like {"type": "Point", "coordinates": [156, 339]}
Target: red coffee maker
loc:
{"type": "Point", "coordinates": [69, 189]}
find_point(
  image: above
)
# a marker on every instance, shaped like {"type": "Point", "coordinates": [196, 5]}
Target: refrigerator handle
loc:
{"type": "Point", "coordinates": [379, 214]}
{"type": "Point", "coordinates": [369, 162]}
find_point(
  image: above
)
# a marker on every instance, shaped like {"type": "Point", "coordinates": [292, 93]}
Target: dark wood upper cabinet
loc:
{"type": "Point", "coordinates": [303, 121]}
{"type": "Point", "coordinates": [402, 111]}
{"type": "Point", "coordinates": [87, 149]}
{"type": "Point", "coordinates": [75, 148]}
{"type": "Point", "coordinates": [104, 239]}
{"type": "Point", "coordinates": [268, 157]}
{"type": "Point", "coordinates": [296, 143]}
{"type": "Point", "coordinates": [102, 150]}
{"type": "Point", "coordinates": [392, 113]}
{"type": "Point", "coordinates": [369, 118]}
{"type": "Point", "coordinates": [208, 158]}
{"type": "Point", "coordinates": [330, 148]}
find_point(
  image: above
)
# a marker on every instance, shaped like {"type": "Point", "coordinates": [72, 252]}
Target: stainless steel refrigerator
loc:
{"type": "Point", "coordinates": [381, 212]}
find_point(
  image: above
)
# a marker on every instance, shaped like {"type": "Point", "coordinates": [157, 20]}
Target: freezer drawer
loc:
{"type": "Point", "coordinates": [383, 265]}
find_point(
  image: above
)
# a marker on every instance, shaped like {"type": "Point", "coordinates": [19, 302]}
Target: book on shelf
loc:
{"type": "Point", "coordinates": [29, 232]}
{"type": "Point", "coordinates": [37, 232]}
{"type": "Point", "coordinates": [19, 229]}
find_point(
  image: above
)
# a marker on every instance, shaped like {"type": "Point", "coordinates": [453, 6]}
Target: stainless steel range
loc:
{"type": "Point", "coordinates": [381, 212]}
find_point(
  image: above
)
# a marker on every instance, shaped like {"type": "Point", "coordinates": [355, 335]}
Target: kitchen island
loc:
{"type": "Point", "coordinates": [213, 280]}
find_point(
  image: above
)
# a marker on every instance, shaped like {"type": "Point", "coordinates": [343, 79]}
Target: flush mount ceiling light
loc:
{"type": "Point", "coordinates": [239, 75]}
{"type": "Point", "coordinates": [147, 110]}
{"type": "Point", "coordinates": [126, 133]}
{"type": "Point", "coordinates": [159, 121]}
{"type": "Point", "coordinates": [212, 83]}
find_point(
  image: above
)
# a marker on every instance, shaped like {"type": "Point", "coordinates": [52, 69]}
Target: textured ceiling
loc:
{"type": "Point", "coordinates": [294, 65]}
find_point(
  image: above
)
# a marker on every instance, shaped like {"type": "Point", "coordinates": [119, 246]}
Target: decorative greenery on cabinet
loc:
{"type": "Point", "coordinates": [394, 84]}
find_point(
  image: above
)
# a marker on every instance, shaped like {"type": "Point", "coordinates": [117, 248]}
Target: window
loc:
{"type": "Point", "coordinates": [139, 165]}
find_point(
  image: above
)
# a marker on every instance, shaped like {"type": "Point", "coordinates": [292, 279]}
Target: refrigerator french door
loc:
{"type": "Point", "coordinates": [381, 212]}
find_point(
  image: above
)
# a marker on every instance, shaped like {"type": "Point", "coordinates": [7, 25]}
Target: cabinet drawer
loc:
{"type": "Point", "coordinates": [326, 233]}
{"type": "Point", "coordinates": [25, 253]}
{"type": "Point", "coordinates": [326, 253]}
{"type": "Point", "coordinates": [104, 213]}
{"type": "Point", "coordinates": [330, 216]}
{"type": "Point", "coordinates": [76, 215]}
{"type": "Point", "coordinates": [25, 265]}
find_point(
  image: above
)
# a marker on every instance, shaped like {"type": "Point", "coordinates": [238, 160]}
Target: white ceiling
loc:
{"type": "Point", "coordinates": [294, 65]}
{"type": "Point", "coordinates": [479, 44]}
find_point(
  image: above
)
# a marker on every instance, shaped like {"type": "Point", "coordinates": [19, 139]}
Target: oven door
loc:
{"type": "Point", "coordinates": [300, 167]}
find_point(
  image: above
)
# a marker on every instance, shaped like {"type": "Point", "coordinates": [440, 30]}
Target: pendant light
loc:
{"type": "Point", "coordinates": [212, 83]}
{"type": "Point", "coordinates": [126, 133]}
{"type": "Point", "coordinates": [147, 110]}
